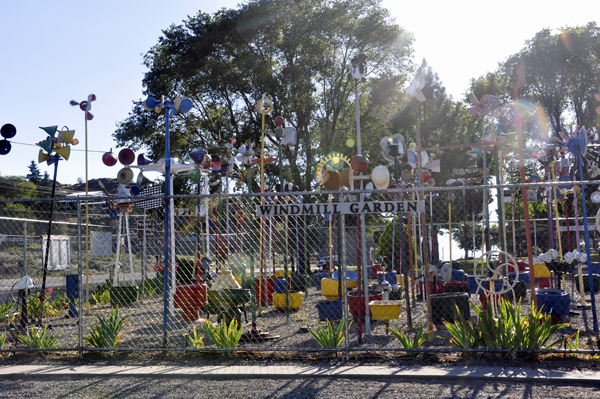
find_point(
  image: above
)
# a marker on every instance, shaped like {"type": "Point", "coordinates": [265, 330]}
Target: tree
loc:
{"type": "Point", "coordinates": [34, 175]}
{"type": "Point", "coordinates": [562, 71]}
{"type": "Point", "coordinates": [296, 51]}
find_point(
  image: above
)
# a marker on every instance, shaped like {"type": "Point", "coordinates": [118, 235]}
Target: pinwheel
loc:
{"type": "Point", "coordinates": [479, 106]}
{"type": "Point", "coordinates": [244, 154]}
{"type": "Point", "coordinates": [414, 90]}
{"type": "Point", "coordinates": [597, 95]}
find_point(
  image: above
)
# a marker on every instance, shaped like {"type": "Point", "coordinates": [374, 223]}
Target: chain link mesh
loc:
{"type": "Point", "coordinates": [286, 276]}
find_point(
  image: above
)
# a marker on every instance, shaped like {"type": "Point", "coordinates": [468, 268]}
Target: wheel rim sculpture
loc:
{"type": "Point", "coordinates": [489, 274]}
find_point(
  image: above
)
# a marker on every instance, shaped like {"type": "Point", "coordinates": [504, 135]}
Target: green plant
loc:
{"type": "Point", "coordinates": [2, 339]}
{"type": "Point", "coordinates": [38, 339]}
{"type": "Point", "coordinates": [148, 288]}
{"type": "Point", "coordinates": [415, 342]}
{"type": "Point", "coordinates": [465, 333]}
{"type": "Point", "coordinates": [195, 339]}
{"type": "Point", "coordinates": [106, 332]}
{"type": "Point", "coordinates": [574, 346]}
{"type": "Point", "coordinates": [61, 301]}
{"type": "Point", "coordinates": [100, 297]}
{"type": "Point", "coordinates": [6, 310]}
{"type": "Point", "coordinates": [327, 337]}
{"type": "Point", "coordinates": [33, 307]}
{"type": "Point", "coordinates": [222, 335]}
{"type": "Point", "coordinates": [509, 329]}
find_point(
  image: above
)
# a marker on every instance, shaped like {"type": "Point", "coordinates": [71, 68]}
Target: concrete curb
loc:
{"type": "Point", "coordinates": [60, 372]}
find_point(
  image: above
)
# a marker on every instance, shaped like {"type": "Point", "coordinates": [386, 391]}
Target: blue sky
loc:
{"type": "Point", "coordinates": [54, 52]}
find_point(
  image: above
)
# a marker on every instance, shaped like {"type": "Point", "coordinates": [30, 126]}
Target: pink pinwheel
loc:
{"type": "Point", "coordinates": [597, 98]}
{"type": "Point", "coordinates": [478, 105]}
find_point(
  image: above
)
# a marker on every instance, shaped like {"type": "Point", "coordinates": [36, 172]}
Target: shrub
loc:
{"type": "Point", "coordinates": [417, 340]}
{"type": "Point", "coordinates": [195, 339]}
{"type": "Point", "coordinates": [39, 339]}
{"type": "Point", "coordinates": [327, 337]}
{"type": "Point", "coordinates": [222, 335]}
{"type": "Point", "coordinates": [106, 332]}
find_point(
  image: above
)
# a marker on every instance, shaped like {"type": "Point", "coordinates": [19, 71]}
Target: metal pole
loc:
{"type": "Point", "coordinates": [587, 247]}
{"type": "Point", "coordinates": [79, 279]}
{"type": "Point", "coordinates": [144, 254]}
{"type": "Point", "coordinates": [25, 247]}
{"type": "Point", "coordinates": [167, 232]}
{"type": "Point", "coordinates": [45, 269]}
{"type": "Point", "coordinates": [525, 202]}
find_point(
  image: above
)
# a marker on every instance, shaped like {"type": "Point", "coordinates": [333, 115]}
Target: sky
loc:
{"type": "Point", "coordinates": [54, 52]}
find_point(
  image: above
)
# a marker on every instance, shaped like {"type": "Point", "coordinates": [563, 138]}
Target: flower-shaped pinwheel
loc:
{"type": "Point", "coordinates": [414, 90]}
{"type": "Point", "coordinates": [245, 154]}
{"type": "Point", "coordinates": [597, 95]}
{"type": "Point", "coordinates": [479, 106]}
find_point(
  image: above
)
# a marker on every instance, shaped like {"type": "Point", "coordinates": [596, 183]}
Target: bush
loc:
{"type": "Point", "coordinates": [106, 332]}
{"type": "Point", "coordinates": [38, 339]}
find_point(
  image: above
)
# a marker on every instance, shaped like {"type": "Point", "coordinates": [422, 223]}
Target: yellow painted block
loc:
{"type": "Point", "coordinates": [385, 310]}
{"type": "Point", "coordinates": [295, 300]}
{"type": "Point", "coordinates": [540, 270]}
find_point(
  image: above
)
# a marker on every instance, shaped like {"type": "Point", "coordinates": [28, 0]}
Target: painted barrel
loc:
{"type": "Point", "coordinates": [330, 310]}
{"type": "Point", "coordinates": [390, 277]}
{"type": "Point", "coordinates": [320, 276]}
{"type": "Point", "coordinates": [458, 275]}
{"type": "Point", "coordinates": [356, 304]}
{"type": "Point", "coordinates": [553, 301]}
{"type": "Point", "coordinates": [456, 286]}
{"type": "Point", "coordinates": [443, 306]}
{"type": "Point", "coordinates": [264, 292]}
{"type": "Point", "coordinates": [280, 285]}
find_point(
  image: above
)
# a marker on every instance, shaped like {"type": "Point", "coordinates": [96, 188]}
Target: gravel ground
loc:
{"type": "Point", "coordinates": [285, 388]}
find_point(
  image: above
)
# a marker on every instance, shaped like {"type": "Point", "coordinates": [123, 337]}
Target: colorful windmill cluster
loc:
{"type": "Point", "coordinates": [55, 146]}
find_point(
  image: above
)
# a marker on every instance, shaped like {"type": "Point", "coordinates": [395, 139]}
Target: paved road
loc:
{"type": "Point", "coordinates": [360, 382]}
{"type": "Point", "coordinates": [138, 388]}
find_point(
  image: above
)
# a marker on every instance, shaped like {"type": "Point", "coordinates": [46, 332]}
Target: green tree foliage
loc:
{"type": "Point", "coordinates": [298, 52]}
{"type": "Point", "coordinates": [16, 187]}
{"type": "Point", "coordinates": [34, 175]}
{"type": "Point", "coordinates": [563, 73]}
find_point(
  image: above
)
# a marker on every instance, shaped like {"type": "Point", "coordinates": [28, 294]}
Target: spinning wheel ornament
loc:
{"type": "Point", "coordinates": [328, 170]}
{"type": "Point", "coordinates": [489, 272]}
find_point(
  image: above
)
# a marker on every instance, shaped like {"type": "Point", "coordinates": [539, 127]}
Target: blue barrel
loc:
{"type": "Point", "coordinates": [72, 283]}
{"type": "Point", "coordinates": [594, 266]}
{"type": "Point", "coordinates": [72, 286]}
{"type": "Point", "coordinates": [320, 276]}
{"type": "Point", "coordinates": [458, 275]}
{"type": "Point", "coordinates": [523, 276]}
{"type": "Point", "coordinates": [351, 274]}
{"type": "Point", "coordinates": [390, 277]}
{"type": "Point", "coordinates": [280, 285]}
{"type": "Point", "coordinates": [330, 310]}
{"type": "Point", "coordinates": [473, 288]}
{"type": "Point", "coordinates": [554, 301]}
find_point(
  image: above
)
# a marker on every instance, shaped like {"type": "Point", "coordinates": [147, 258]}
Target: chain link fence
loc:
{"type": "Point", "coordinates": [368, 273]}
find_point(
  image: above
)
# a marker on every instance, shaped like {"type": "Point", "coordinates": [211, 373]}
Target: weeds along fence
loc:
{"type": "Point", "coordinates": [112, 284]}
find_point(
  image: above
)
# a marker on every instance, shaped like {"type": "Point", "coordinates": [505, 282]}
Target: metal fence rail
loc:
{"type": "Point", "coordinates": [304, 266]}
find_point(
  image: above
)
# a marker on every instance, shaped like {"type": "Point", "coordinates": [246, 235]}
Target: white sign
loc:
{"type": "Point", "coordinates": [343, 208]}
